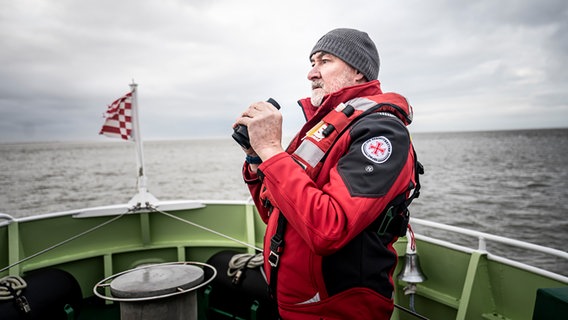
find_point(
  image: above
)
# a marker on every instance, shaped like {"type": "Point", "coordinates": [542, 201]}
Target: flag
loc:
{"type": "Point", "coordinates": [118, 119]}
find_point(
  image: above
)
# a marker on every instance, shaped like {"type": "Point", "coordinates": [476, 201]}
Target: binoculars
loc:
{"type": "Point", "coordinates": [240, 133]}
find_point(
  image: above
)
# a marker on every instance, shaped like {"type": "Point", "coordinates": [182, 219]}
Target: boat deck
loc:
{"type": "Point", "coordinates": [462, 282]}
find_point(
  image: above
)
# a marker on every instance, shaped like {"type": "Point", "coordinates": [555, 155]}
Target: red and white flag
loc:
{"type": "Point", "coordinates": [118, 123]}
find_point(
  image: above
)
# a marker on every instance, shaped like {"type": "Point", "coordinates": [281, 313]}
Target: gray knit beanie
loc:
{"type": "Point", "coordinates": [354, 47]}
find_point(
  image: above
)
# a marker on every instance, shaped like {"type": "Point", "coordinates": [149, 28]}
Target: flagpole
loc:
{"type": "Point", "coordinates": [143, 197]}
{"type": "Point", "coordinates": [137, 138]}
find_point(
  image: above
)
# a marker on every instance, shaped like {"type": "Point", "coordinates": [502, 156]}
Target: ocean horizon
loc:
{"type": "Point", "coordinates": [510, 182]}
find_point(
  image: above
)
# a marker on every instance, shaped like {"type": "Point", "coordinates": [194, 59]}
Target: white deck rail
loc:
{"type": "Point", "coordinates": [482, 241]}
{"type": "Point", "coordinates": [482, 237]}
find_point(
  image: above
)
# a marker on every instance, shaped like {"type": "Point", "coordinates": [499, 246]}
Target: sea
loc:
{"type": "Point", "coordinates": [508, 183]}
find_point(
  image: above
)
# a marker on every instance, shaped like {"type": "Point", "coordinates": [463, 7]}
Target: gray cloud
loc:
{"type": "Point", "coordinates": [464, 66]}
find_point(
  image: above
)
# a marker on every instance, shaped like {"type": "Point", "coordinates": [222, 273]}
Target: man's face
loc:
{"type": "Point", "coordinates": [330, 74]}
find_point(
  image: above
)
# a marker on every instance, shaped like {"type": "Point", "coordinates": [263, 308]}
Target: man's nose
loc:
{"type": "Point", "coordinates": [313, 73]}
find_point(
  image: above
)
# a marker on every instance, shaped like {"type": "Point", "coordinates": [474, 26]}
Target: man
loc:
{"type": "Point", "coordinates": [328, 243]}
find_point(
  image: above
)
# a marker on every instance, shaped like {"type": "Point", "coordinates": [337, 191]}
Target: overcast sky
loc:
{"type": "Point", "coordinates": [475, 65]}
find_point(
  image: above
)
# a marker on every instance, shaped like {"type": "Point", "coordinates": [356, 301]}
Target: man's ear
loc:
{"type": "Point", "coordinates": [360, 78]}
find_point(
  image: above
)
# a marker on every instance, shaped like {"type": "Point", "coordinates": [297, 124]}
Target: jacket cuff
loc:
{"type": "Point", "coordinates": [265, 165]}
{"type": "Point", "coordinates": [248, 176]}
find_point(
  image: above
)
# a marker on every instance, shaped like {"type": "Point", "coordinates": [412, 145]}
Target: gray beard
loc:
{"type": "Point", "coordinates": [338, 83]}
{"type": "Point", "coordinates": [317, 99]}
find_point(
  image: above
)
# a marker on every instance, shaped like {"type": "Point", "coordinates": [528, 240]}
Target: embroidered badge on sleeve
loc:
{"type": "Point", "coordinates": [377, 149]}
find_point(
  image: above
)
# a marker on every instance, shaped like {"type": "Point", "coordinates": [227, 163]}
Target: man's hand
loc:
{"type": "Point", "coordinates": [264, 124]}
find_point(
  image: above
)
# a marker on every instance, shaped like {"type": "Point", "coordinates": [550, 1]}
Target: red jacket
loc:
{"type": "Point", "coordinates": [334, 264]}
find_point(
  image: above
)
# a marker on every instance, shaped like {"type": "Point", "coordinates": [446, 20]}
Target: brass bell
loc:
{"type": "Point", "coordinates": [411, 272]}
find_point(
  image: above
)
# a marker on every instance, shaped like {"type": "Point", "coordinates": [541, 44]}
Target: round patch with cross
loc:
{"type": "Point", "coordinates": [377, 149]}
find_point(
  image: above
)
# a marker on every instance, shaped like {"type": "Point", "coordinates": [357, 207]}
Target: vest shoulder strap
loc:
{"type": "Point", "coordinates": [319, 140]}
